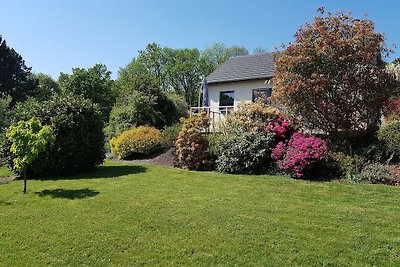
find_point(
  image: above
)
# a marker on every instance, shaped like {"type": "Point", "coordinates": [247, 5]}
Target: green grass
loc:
{"type": "Point", "coordinates": [148, 215]}
{"type": "Point", "coordinates": [4, 172]}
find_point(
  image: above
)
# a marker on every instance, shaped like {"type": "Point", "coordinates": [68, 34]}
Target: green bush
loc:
{"type": "Point", "coordinates": [375, 173]}
{"type": "Point", "coordinates": [170, 134]}
{"type": "Point", "coordinates": [349, 166]}
{"type": "Point", "coordinates": [389, 133]}
{"type": "Point", "coordinates": [142, 140]}
{"type": "Point", "coordinates": [192, 144]}
{"type": "Point", "coordinates": [139, 108]}
{"type": "Point", "coordinates": [247, 153]}
{"type": "Point", "coordinates": [78, 128]}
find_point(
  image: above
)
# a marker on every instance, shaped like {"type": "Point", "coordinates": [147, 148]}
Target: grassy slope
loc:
{"type": "Point", "coordinates": [157, 216]}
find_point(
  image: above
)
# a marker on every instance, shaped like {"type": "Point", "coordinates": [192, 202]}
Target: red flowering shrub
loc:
{"type": "Point", "coordinates": [281, 126]}
{"type": "Point", "coordinates": [299, 153]}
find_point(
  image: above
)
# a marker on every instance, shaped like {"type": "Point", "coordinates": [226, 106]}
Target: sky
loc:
{"type": "Point", "coordinates": [56, 36]}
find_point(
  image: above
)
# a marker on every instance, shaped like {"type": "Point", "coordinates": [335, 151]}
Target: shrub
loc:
{"type": "Point", "coordinates": [138, 108]}
{"type": "Point", "coordinates": [349, 166]}
{"type": "Point", "coordinates": [299, 153]}
{"type": "Point", "coordinates": [389, 133]}
{"type": "Point", "coordinates": [78, 127]}
{"type": "Point", "coordinates": [249, 117]}
{"type": "Point", "coordinates": [142, 140]}
{"type": "Point", "coordinates": [392, 110]}
{"type": "Point", "coordinates": [170, 134]}
{"type": "Point", "coordinates": [192, 144]}
{"type": "Point", "coordinates": [375, 173]}
{"type": "Point", "coordinates": [280, 126]}
{"type": "Point", "coordinates": [247, 153]}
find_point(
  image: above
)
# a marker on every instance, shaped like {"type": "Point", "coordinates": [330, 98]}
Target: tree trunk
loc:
{"type": "Point", "coordinates": [25, 169]}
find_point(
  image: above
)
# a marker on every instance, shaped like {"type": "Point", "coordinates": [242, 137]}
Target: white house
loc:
{"type": "Point", "coordinates": [242, 78]}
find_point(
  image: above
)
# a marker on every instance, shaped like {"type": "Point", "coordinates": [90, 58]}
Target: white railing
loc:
{"type": "Point", "coordinates": [215, 114]}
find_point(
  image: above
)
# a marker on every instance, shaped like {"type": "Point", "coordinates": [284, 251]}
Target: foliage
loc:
{"type": "Point", "coordinates": [144, 105]}
{"type": "Point", "coordinates": [306, 75]}
{"type": "Point", "coordinates": [176, 70]}
{"type": "Point", "coordinates": [132, 111]}
{"type": "Point", "coordinates": [218, 53]}
{"type": "Point", "coordinates": [15, 79]}
{"type": "Point", "coordinates": [281, 127]}
{"type": "Point", "coordinates": [28, 139]}
{"type": "Point", "coordinates": [94, 83]}
{"type": "Point", "coordinates": [247, 153]}
{"type": "Point", "coordinates": [375, 173]}
{"type": "Point", "coordinates": [192, 144]}
{"type": "Point", "coordinates": [392, 110]}
{"type": "Point", "coordinates": [170, 134]}
{"type": "Point", "coordinates": [142, 140]}
{"type": "Point", "coordinates": [389, 133]}
{"type": "Point", "coordinates": [4, 103]}
{"type": "Point", "coordinates": [181, 106]}
{"type": "Point", "coordinates": [350, 166]}
{"type": "Point", "coordinates": [249, 117]}
{"type": "Point", "coordinates": [46, 87]}
{"type": "Point", "coordinates": [299, 153]}
{"type": "Point", "coordinates": [78, 128]}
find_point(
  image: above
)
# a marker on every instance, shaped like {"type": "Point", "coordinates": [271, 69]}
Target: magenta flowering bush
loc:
{"type": "Point", "coordinates": [299, 153]}
{"type": "Point", "coordinates": [280, 126]}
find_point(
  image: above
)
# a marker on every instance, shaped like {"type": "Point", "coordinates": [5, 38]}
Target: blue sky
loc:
{"type": "Point", "coordinates": [55, 36]}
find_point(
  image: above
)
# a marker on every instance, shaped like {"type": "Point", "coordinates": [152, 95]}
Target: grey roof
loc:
{"type": "Point", "coordinates": [254, 67]}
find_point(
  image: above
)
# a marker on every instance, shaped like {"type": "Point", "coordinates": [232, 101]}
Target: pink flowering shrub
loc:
{"type": "Point", "coordinates": [280, 126]}
{"type": "Point", "coordinates": [299, 153]}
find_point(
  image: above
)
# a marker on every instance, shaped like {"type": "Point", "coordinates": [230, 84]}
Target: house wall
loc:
{"type": "Point", "coordinates": [243, 91]}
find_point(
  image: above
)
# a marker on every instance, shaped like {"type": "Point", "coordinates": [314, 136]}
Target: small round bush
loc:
{"type": "Point", "coordinates": [375, 173]}
{"type": "Point", "coordinates": [78, 127]}
{"type": "Point", "coordinates": [389, 133]}
{"type": "Point", "coordinates": [142, 140]}
{"type": "Point", "coordinates": [299, 153]}
{"type": "Point", "coordinates": [248, 153]}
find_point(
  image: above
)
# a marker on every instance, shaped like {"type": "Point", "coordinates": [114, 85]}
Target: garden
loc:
{"type": "Point", "coordinates": [309, 179]}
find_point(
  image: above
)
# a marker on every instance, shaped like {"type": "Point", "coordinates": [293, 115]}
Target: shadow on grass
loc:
{"type": "Point", "coordinates": [102, 172]}
{"type": "Point", "coordinates": [68, 193]}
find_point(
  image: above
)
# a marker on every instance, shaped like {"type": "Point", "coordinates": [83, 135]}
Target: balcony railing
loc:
{"type": "Point", "coordinates": [215, 114]}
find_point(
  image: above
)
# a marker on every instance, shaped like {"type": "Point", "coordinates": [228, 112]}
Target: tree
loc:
{"type": "Point", "coordinates": [259, 50]}
{"type": "Point", "coordinates": [218, 53]}
{"type": "Point", "coordinates": [93, 83]}
{"type": "Point", "coordinates": [332, 77]}
{"type": "Point", "coordinates": [28, 139]}
{"type": "Point", "coordinates": [184, 72]}
{"type": "Point", "coordinates": [15, 79]}
{"type": "Point", "coordinates": [4, 103]}
{"type": "Point", "coordinates": [46, 87]}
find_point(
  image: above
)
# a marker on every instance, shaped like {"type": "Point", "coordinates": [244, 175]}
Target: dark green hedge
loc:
{"type": "Point", "coordinates": [78, 126]}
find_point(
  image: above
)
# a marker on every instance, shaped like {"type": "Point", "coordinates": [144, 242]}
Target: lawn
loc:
{"type": "Point", "coordinates": [149, 215]}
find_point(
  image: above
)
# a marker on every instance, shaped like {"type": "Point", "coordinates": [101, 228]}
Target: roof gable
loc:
{"type": "Point", "coordinates": [254, 67]}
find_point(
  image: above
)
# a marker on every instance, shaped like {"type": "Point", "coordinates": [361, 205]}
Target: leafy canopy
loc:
{"type": "Point", "coordinates": [28, 139]}
{"type": "Point", "coordinates": [332, 77]}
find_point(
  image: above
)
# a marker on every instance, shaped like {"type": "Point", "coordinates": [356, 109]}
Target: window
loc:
{"type": "Point", "coordinates": [262, 94]}
{"type": "Point", "coordinates": [226, 98]}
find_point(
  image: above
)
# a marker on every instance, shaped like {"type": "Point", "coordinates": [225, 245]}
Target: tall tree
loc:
{"type": "Point", "coordinates": [184, 72]}
{"type": "Point", "coordinates": [332, 77]}
{"type": "Point", "coordinates": [218, 53]}
{"type": "Point", "coordinates": [94, 83]}
{"type": "Point", "coordinates": [46, 87]}
{"type": "Point", "coordinates": [15, 79]}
